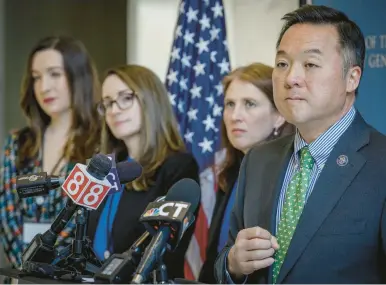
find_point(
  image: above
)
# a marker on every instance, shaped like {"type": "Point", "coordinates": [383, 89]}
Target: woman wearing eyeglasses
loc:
{"type": "Point", "coordinates": [139, 124]}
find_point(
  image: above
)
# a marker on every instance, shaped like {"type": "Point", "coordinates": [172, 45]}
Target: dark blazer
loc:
{"type": "Point", "coordinates": [222, 198]}
{"type": "Point", "coordinates": [127, 229]}
{"type": "Point", "coordinates": [341, 235]}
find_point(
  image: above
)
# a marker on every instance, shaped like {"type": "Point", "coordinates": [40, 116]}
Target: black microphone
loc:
{"type": "Point", "coordinates": [122, 173]}
{"type": "Point", "coordinates": [167, 221]}
{"type": "Point", "coordinates": [128, 171]}
{"type": "Point", "coordinates": [119, 267]}
{"type": "Point", "coordinates": [82, 260]}
{"type": "Point", "coordinates": [41, 248]}
{"type": "Point", "coordinates": [39, 184]}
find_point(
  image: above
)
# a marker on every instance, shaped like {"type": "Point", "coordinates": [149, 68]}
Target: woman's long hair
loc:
{"type": "Point", "coordinates": [84, 87]}
{"type": "Point", "coordinates": [159, 136]}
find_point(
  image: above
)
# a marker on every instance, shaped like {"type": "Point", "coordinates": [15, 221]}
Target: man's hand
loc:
{"type": "Point", "coordinates": [253, 250]}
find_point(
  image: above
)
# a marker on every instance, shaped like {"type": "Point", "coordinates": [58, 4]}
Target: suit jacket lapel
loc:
{"type": "Point", "coordinates": [271, 198]}
{"type": "Point", "coordinates": [332, 183]}
{"type": "Point", "coordinates": [277, 183]}
{"type": "Point", "coordinates": [265, 200]}
{"type": "Point", "coordinates": [270, 184]}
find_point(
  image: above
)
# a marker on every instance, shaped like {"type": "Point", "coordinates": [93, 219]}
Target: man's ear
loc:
{"type": "Point", "coordinates": [353, 79]}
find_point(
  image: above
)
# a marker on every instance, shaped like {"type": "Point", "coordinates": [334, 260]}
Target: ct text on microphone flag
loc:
{"type": "Point", "coordinates": [113, 177]}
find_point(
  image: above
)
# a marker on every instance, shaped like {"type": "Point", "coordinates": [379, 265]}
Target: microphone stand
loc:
{"type": "Point", "coordinates": [81, 258]}
{"type": "Point", "coordinates": [161, 274]}
{"type": "Point", "coordinates": [73, 262]}
{"type": "Point", "coordinates": [119, 268]}
{"type": "Point", "coordinates": [41, 248]}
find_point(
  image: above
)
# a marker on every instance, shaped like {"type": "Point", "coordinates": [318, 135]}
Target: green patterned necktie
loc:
{"type": "Point", "coordinates": [292, 209]}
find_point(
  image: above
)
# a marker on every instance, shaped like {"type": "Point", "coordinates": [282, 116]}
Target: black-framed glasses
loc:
{"type": "Point", "coordinates": [124, 101]}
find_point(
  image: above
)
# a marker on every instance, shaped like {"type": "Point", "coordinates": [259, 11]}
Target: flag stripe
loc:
{"type": "Point", "coordinates": [193, 260]}
{"type": "Point", "coordinates": [188, 271]}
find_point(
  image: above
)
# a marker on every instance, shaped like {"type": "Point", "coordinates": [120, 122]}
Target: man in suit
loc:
{"type": "Point", "coordinates": [311, 208]}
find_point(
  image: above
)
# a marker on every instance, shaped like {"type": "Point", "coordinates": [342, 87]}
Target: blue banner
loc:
{"type": "Point", "coordinates": [370, 16]}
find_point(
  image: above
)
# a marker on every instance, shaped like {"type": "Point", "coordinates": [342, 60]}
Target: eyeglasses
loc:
{"type": "Point", "coordinates": [124, 101]}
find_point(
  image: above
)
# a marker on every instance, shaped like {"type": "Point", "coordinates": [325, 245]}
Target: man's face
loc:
{"type": "Point", "coordinates": [309, 86]}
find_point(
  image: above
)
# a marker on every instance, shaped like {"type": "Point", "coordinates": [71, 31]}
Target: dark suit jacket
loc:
{"type": "Point", "coordinates": [222, 198]}
{"type": "Point", "coordinates": [341, 235]}
{"type": "Point", "coordinates": [127, 229]}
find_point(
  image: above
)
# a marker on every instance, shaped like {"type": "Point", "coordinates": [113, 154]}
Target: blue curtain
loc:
{"type": "Point", "coordinates": [370, 15]}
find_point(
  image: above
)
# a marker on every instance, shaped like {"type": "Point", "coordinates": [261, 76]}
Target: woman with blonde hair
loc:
{"type": "Point", "coordinates": [250, 117]}
{"type": "Point", "coordinates": [139, 124]}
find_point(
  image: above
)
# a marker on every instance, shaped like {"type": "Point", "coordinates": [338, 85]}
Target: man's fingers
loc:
{"type": "Point", "coordinates": [255, 232]}
{"type": "Point", "coordinates": [262, 233]}
{"type": "Point", "coordinates": [252, 266]}
{"type": "Point", "coordinates": [258, 254]}
{"type": "Point", "coordinates": [254, 249]}
{"type": "Point", "coordinates": [274, 243]}
{"type": "Point", "coordinates": [254, 244]}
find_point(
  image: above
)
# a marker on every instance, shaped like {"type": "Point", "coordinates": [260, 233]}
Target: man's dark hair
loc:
{"type": "Point", "coordinates": [351, 38]}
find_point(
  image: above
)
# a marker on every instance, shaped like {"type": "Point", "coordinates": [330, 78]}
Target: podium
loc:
{"type": "Point", "coordinates": [23, 279]}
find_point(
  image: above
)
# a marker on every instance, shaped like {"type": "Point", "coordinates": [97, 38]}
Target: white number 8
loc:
{"type": "Point", "coordinates": [77, 181]}
{"type": "Point", "coordinates": [95, 191]}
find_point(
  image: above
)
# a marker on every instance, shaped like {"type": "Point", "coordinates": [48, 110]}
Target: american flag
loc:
{"type": "Point", "coordinates": [199, 60]}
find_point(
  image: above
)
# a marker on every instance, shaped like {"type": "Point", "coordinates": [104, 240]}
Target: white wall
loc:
{"type": "Point", "coordinates": [252, 26]}
{"type": "Point", "coordinates": [255, 29]}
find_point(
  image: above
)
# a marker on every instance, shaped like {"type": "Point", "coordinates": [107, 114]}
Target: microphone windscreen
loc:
{"type": "Point", "coordinates": [185, 190]}
{"type": "Point", "coordinates": [128, 171]}
{"type": "Point", "coordinates": [99, 166]}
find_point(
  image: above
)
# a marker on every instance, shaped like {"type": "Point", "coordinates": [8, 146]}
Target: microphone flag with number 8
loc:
{"type": "Point", "coordinates": [85, 189]}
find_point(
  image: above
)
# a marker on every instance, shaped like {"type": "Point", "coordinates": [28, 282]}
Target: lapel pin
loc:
{"type": "Point", "coordinates": [39, 200]}
{"type": "Point", "coordinates": [342, 160]}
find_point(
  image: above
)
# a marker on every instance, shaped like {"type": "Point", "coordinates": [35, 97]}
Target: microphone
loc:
{"type": "Point", "coordinates": [167, 221]}
{"type": "Point", "coordinates": [89, 191]}
{"type": "Point", "coordinates": [128, 171]}
{"type": "Point", "coordinates": [88, 186]}
{"type": "Point", "coordinates": [39, 184]}
{"type": "Point", "coordinates": [82, 258]}
{"type": "Point", "coordinates": [90, 196]}
{"type": "Point", "coordinates": [119, 267]}
{"type": "Point", "coordinates": [125, 172]}
{"type": "Point", "coordinates": [41, 247]}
